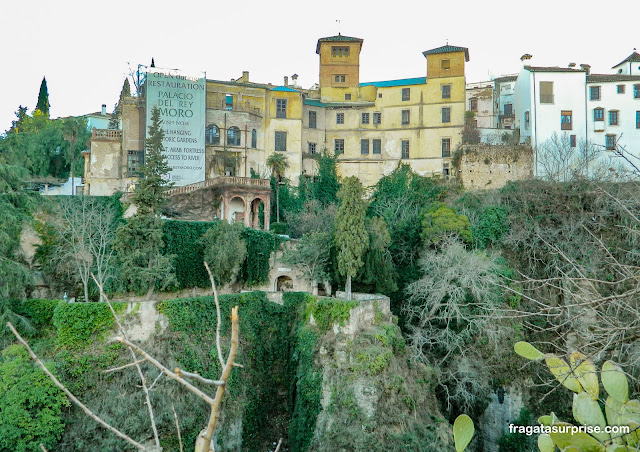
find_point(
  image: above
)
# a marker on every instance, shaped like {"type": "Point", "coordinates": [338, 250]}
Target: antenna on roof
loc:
{"type": "Point", "coordinates": [447, 41]}
{"type": "Point", "coordinates": [338, 22]}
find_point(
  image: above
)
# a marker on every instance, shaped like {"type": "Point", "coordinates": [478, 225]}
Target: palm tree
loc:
{"type": "Point", "coordinates": [278, 164]}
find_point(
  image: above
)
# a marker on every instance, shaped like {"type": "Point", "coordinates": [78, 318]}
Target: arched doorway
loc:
{"type": "Point", "coordinates": [284, 284]}
{"type": "Point", "coordinates": [236, 210]}
{"type": "Point", "coordinates": [257, 213]}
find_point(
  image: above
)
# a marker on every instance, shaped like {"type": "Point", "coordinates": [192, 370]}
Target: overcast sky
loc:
{"type": "Point", "coordinates": [85, 49]}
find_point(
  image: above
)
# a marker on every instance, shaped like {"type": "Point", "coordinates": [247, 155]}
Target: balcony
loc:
{"type": "Point", "coordinates": [222, 181]}
{"type": "Point", "coordinates": [246, 108]}
{"type": "Point", "coordinates": [106, 134]}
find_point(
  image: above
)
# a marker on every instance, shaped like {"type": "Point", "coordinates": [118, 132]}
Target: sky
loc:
{"type": "Point", "coordinates": [86, 49]}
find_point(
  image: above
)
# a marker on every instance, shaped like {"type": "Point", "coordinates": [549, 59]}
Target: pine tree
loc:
{"type": "Point", "coordinates": [351, 236]}
{"type": "Point", "coordinates": [126, 89]}
{"type": "Point", "coordinates": [114, 120]}
{"type": "Point", "coordinates": [43, 98]}
{"type": "Point", "coordinates": [139, 242]}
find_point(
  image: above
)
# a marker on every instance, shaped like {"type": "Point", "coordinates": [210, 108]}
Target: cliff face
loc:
{"type": "Point", "coordinates": [324, 374]}
{"type": "Point", "coordinates": [373, 396]}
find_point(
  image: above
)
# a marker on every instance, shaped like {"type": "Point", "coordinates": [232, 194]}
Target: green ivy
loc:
{"type": "Point", "coordinates": [77, 324]}
{"type": "Point", "coordinates": [327, 311]}
{"type": "Point", "coordinates": [39, 311]}
{"type": "Point", "coordinates": [30, 406]}
{"type": "Point", "coordinates": [182, 239]}
{"type": "Point", "coordinates": [491, 226]}
{"type": "Point", "coordinates": [260, 245]}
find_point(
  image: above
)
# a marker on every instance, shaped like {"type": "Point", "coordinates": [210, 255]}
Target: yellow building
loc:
{"type": "Point", "coordinates": [372, 126]}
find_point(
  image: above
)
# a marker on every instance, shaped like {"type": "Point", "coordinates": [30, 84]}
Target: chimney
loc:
{"type": "Point", "coordinates": [245, 76]}
{"type": "Point", "coordinates": [586, 68]}
{"type": "Point", "coordinates": [286, 81]}
{"type": "Point", "coordinates": [526, 59]}
{"type": "Point", "coordinates": [572, 65]}
{"type": "Point", "coordinates": [104, 109]}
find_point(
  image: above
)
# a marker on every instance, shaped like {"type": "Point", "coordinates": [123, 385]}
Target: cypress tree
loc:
{"type": "Point", "coordinates": [43, 98]}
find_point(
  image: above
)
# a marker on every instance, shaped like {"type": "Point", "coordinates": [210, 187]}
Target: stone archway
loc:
{"type": "Point", "coordinates": [255, 213]}
{"type": "Point", "coordinates": [237, 211]}
{"type": "Point", "coordinates": [284, 283]}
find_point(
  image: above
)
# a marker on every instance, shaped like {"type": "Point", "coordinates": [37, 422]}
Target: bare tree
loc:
{"type": "Point", "coordinates": [86, 231]}
{"type": "Point", "coordinates": [203, 443]}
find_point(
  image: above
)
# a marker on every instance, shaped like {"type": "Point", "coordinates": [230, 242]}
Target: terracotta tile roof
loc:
{"type": "Point", "coordinates": [633, 58]}
{"type": "Point", "coordinates": [505, 78]}
{"type": "Point", "coordinates": [552, 69]}
{"type": "Point", "coordinates": [447, 49]}
{"type": "Point", "coordinates": [599, 78]}
{"type": "Point", "coordinates": [338, 38]}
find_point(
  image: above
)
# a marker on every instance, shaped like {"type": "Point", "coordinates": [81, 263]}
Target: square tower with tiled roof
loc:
{"type": "Point", "coordinates": [339, 67]}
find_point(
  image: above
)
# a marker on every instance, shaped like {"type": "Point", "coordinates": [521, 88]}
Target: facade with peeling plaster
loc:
{"type": "Point", "coordinates": [372, 127]}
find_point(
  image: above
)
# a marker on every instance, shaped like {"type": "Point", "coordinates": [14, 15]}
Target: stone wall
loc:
{"type": "Point", "coordinates": [489, 167]}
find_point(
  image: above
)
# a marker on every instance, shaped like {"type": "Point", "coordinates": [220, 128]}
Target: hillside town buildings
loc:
{"type": "Point", "coordinates": [370, 126]}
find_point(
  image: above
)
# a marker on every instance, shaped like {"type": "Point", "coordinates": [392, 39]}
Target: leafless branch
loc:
{"type": "Point", "coordinates": [215, 297]}
{"type": "Point", "coordinates": [115, 369]}
{"type": "Point", "coordinates": [73, 398]}
{"type": "Point", "coordinates": [175, 416]}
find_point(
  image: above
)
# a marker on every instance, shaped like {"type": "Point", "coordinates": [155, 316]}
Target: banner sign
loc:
{"type": "Point", "coordinates": [181, 100]}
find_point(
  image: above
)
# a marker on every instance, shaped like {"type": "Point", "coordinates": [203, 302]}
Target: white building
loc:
{"type": "Point", "coordinates": [597, 113]}
{"type": "Point", "coordinates": [503, 99]}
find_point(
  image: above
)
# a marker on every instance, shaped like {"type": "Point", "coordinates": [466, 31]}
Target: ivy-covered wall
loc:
{"type": "Point", "coordinates": [182, 239]}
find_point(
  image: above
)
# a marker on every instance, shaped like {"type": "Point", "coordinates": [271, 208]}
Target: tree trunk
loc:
{"type": "Point", "coordinates": [86, 291]}
{"type": "Point", "coordinates": [347, 287]}
{"type": "Point", "coordinates": [277, 200]}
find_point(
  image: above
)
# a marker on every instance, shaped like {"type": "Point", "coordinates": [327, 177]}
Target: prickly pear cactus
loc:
{"type": "Point", "coordinates": [463, 431]}
{"type": "Point", "coordinates": [580, 376]}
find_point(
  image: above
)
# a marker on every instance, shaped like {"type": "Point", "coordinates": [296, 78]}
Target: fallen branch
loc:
{"type": "Point", "coordinates": [73, 398]}
{"type": "Point", "coordinates": [115, 369]}
{"type": "Point", "coordinates": [184, 373]}
{"type": "Point", "coordinates": [175, 416]}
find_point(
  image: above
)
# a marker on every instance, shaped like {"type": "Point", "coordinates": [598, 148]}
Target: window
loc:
{"type": "Point", "coordinates": [406, 116]}
{"type": "Point", "coordinates": [365, 118]}
{"type": "Point", "coordinates": [508, 109]}
{"type": "Point", "coordinates": [406, 94]}
{"type": "Point", "coordinates": [337, 52]}
{"type": "Point", "coordinates": [377, 145]}
{"type": "Point", "coordinates": [135, 162]}
{"type": "Point", "coordinates": [598, 114]}
{"type": "Point", "coordinates": [281, 141]}
{"type": "Point", "coordinates": [637, 119]}
{"type": "Point", "coordinates": [339, 118]}
{"type": "Point", "coordinates": [347, 96]}
{"type": "Point", "coordinates": [565, 120]}
{"type": "Point", "coordinates": [620, 89]}
{"type": "Point", "coordinates": [364, 147]}
{"type": "Point", "coordinates": [254, 139]}
{"type": "Point", "coordinates": [212, 134]}
{"type": "Point", "coordinates": [446, 91]}
{"type": "Point", "coordinates": [377, 118]}
{"type": "Point", "coordinates": [405, 149]}
{"type": "Point", "coordinates": [572, 141]}
{"type": "Point", "coordinates": [445, 171]}
{"type": "Point", "coordinates": [233, 136]}
{"type": "Point", "coordinates": [446, 114]}
{"type": "Point", "coordinates": [312, 148]}
{"type": "Point", "coordinates": [594, 93]}
{"type": "Point", "coordinates": [281, 108]}
{"type": "Point", "coordinates": [445, 65]}
{"type": "Point", "coordinates": [610, 142]}
{"type": "Point", "coordinates": [312, 119]}
{"type": "Point", "coordinates": [339, 78]}
{"type": "Point", "coordinates": [339, 145]}
{"type": "Point", "coordinates": [228, 102]}
{"type": "Point", "coordinates": [613, 117]}
{"type": "Point", "coordinates": [636, 91]}
{"type": "Point", "coordinates": [473, 104]}
{"type": "Point", "coordinates": [526, 120]}
{"type": "Point", "coordinates": [446, 147]}
{"type": "Point", "coordinates": [546, 92]}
